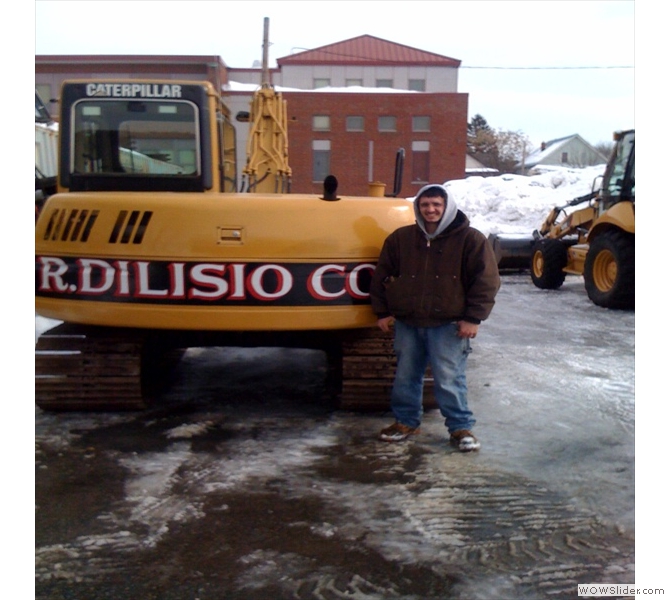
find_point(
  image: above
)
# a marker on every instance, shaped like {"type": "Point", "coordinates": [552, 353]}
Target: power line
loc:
{"type": "Point", "coordinates": [544, 68]}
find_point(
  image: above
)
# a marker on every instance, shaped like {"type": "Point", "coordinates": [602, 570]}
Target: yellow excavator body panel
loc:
{"type": "Point", "coordinates": [211, 261]}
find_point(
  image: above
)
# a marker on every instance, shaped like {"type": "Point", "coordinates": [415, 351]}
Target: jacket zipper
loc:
{"type": "Point", "coordinates": [425, 274]}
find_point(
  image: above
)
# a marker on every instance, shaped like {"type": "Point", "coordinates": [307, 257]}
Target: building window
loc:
{"type": "Point", "coordinates": [321, 82]}
{"type": "Point", "coordinates": [320, 160]}
{"type": "Point", "coordinates": [386, 124]}
{"type": "Point", "coordinates": [564, 157]}
{"type": "Point", "coordinates": [420, 123]}
{"type": "Point", "coordinates": [384, 83]}
{"type": "Point", "coordinates": [321, 123]}
{"type": "Point", "coordinates": [355, 124]}
{"type": "Point", "coordinates": [420, 162]}
{"type": "Point", "coordinates": [353, 82]}
{"type": "Point", "coordinates": [417, 85]}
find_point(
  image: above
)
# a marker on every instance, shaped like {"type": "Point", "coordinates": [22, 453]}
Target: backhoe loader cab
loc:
{"type": "Point", "coordinates": [619, 178]}
{"type": "Point", "coordinates": [596, 241]}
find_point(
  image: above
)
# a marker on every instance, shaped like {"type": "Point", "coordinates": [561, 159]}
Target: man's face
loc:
{"type": "Point", "coordinates": [431, 208]}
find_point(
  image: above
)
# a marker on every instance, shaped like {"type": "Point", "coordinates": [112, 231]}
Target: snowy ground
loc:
{"type": "Point", "coordinates": [241, 465]}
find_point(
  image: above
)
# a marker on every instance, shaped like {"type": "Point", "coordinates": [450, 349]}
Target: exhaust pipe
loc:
{"type": "Point", "coordinates": [397, 176]}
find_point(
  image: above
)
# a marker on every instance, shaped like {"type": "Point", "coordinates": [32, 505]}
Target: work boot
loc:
{"type": "Point", "coordinates": [397, 432]}
{"type": "Point", "coordinates": [464, 440]}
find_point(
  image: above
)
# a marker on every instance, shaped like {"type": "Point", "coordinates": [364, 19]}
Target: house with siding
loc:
{"type": "Point", "coordinates": [475, 168]}
{"type": "Point", "coordinates": [569, 151]}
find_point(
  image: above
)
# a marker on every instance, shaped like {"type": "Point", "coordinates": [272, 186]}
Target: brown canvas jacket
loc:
{"type": "Point", "coordinates": [425, 284]}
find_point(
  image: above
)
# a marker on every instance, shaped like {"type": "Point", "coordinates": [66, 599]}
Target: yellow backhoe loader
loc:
{"type": "Point", "coordinates": [596, 241]}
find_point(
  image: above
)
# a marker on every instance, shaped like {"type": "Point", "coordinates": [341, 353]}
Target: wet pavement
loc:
{"type": "Point", "coordinates": [244, 482]}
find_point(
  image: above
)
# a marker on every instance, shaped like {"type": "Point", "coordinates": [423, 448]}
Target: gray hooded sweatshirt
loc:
{"type": "Point", "coordinates": [450, 211]}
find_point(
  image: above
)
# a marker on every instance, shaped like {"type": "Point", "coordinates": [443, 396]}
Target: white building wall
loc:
{"type": "Point", "coordinates": [253, 76]}
{"type": "Point", "coordinates": [438, 79]}
{"type": "Point", "coordinates": [46, 149]}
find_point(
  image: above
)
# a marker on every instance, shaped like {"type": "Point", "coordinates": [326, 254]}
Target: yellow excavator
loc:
{"type": "Point", "coordinates": [147, 248]}
{"type": "Point", "coordinates": [596, 241]}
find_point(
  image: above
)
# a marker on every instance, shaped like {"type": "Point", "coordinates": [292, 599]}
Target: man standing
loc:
{"type": "Point", "coordinates": [435, 281]}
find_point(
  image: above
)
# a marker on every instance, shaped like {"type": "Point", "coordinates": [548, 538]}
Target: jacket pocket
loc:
{"type": "Point", "coordinates": [400, 295]}
{"type": "Point", "coordinates": [447, 298]}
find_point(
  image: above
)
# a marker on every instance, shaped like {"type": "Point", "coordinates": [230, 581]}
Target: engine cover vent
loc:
{"type": "Point", "coordinates": [70, 225]}
{"type": "Point", "coordinates": [130, 227]}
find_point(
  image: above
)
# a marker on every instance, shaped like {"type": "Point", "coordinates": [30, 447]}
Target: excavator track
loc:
{"type": "Point", "coordinates": [368, 370]}
{"type": "Point", "coordinates": [87, 368]}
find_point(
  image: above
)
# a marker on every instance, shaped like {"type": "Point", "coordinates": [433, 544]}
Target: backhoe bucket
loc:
{"type": "Point", "coordinates": [512, 251]}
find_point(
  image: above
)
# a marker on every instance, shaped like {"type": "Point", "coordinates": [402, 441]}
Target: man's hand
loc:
{"type": "Point", "coordinates": [467, 329]}
{"type": "Point", "coordinates": [385, 323]}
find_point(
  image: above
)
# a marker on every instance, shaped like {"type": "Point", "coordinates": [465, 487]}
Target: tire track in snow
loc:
{"type": "Point", "coordinates": [455, 513]}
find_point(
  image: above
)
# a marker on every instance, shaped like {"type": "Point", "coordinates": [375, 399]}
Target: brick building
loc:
{"type": "Point", "coordinates": [356, 136]}
{"type": "Point", "coordinates": [351, 106]}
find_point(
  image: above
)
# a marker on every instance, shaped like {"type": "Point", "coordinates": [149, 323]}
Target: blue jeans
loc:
{"type": "Point", "coordinates": [416, 348]}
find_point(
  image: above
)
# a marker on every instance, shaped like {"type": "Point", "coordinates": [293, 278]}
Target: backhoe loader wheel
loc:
{"type": "Point", "coordinates": [548, 259]}
{"type": "Point", "coordinates": [609, 270]}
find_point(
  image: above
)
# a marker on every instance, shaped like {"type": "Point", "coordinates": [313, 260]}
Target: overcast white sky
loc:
{"type": "Point", "coordinates": [515, 37]}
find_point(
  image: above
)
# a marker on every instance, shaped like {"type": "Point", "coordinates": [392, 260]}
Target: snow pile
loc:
{"type": "Point", "coordinates": [250, 88]}
{"type": "Point", "coordinates": [518, 204]}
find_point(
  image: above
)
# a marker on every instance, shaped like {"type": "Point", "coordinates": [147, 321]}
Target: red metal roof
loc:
{"type": "Point", "coordinates": [367, 50]}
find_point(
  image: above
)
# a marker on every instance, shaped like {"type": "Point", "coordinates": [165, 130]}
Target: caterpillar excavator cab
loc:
{"type": "Point", "coordinates": [148, 249]}
{"type": "Point", "coordinates": [592, 236]}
